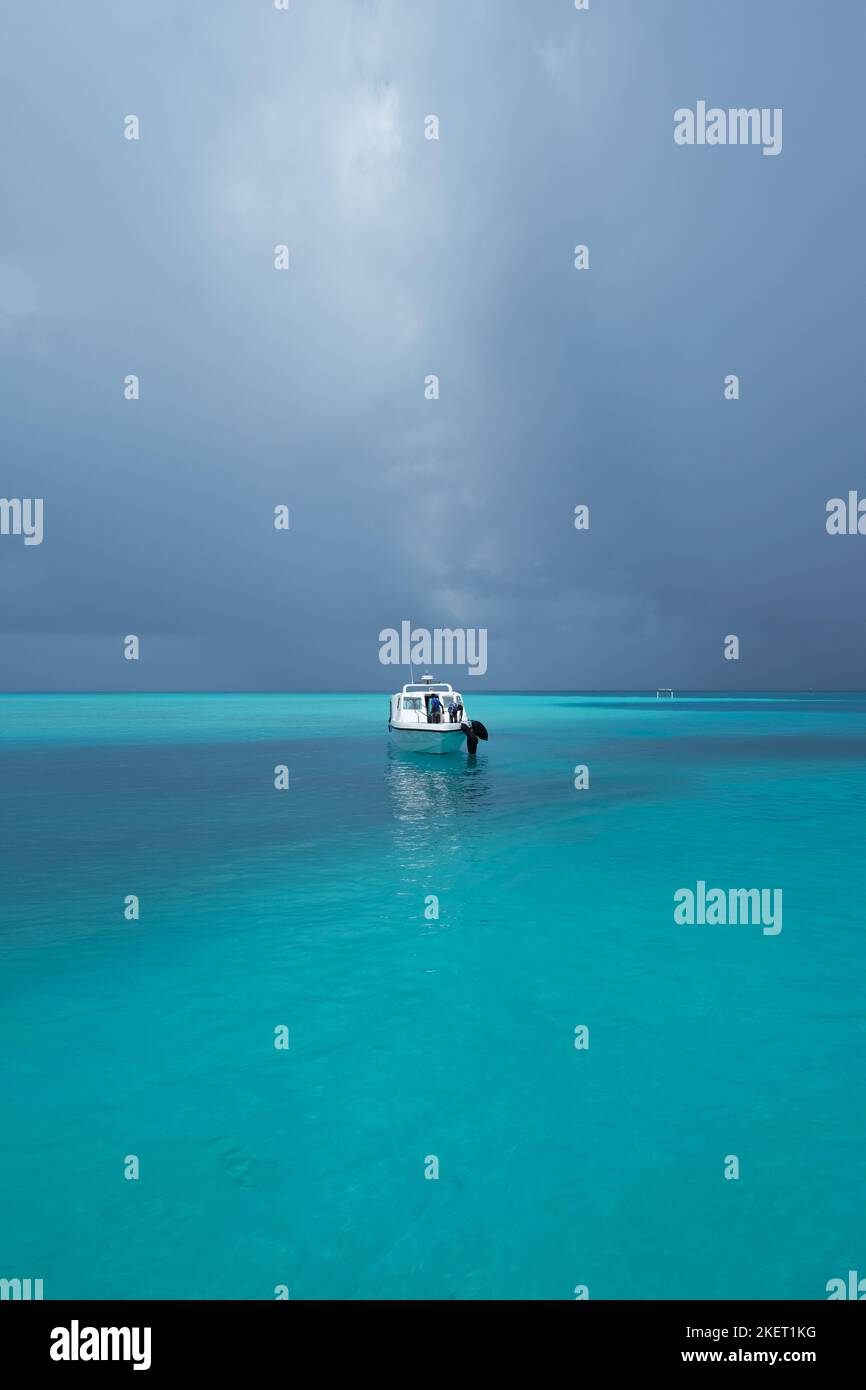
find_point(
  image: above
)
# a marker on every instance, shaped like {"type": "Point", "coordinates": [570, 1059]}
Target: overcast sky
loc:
{"type": "Point", "coordinates": [410, 257]}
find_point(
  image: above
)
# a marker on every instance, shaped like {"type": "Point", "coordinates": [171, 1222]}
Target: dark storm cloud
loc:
{"type": "Point", "coordinates": [411, 257]}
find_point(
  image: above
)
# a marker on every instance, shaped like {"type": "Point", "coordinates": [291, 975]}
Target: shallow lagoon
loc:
{"type": "Point", "coordinates": [413, 1037]}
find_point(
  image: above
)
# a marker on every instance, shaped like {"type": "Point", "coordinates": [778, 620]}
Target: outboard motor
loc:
{"type": "Point", "coordinates": [474, 731]}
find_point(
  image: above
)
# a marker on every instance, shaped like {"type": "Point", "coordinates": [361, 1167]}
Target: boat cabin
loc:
{"type": "Point", "coordinates": [415, 704]}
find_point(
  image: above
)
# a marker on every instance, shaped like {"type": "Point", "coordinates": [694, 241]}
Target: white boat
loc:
{"type": "Point", "coordinates": [417, 727]}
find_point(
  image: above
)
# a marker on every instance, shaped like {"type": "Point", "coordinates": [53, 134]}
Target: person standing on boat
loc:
{"type": "Point", "coordinates": [452, 710]}
{"type": "Point", "coordinates": [435, 708]}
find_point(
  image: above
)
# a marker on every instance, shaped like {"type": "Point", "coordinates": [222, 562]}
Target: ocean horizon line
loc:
{"type": "Point", "coordinates": [486, 690]}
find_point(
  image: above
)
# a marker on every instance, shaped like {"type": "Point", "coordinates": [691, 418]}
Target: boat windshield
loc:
{"type": "Point", "coordinates": [410, 702]}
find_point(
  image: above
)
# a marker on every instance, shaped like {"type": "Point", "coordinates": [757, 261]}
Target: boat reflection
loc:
{"type": "Point", "coordinates": [435, 802]}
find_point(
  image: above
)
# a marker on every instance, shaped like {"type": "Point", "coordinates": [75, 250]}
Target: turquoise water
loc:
{"type": "Point", "coordinates": [413, 1037]}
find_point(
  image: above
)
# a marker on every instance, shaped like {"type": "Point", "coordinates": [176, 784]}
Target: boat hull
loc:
{"type": "Point", "coordinates": [448, 738]}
